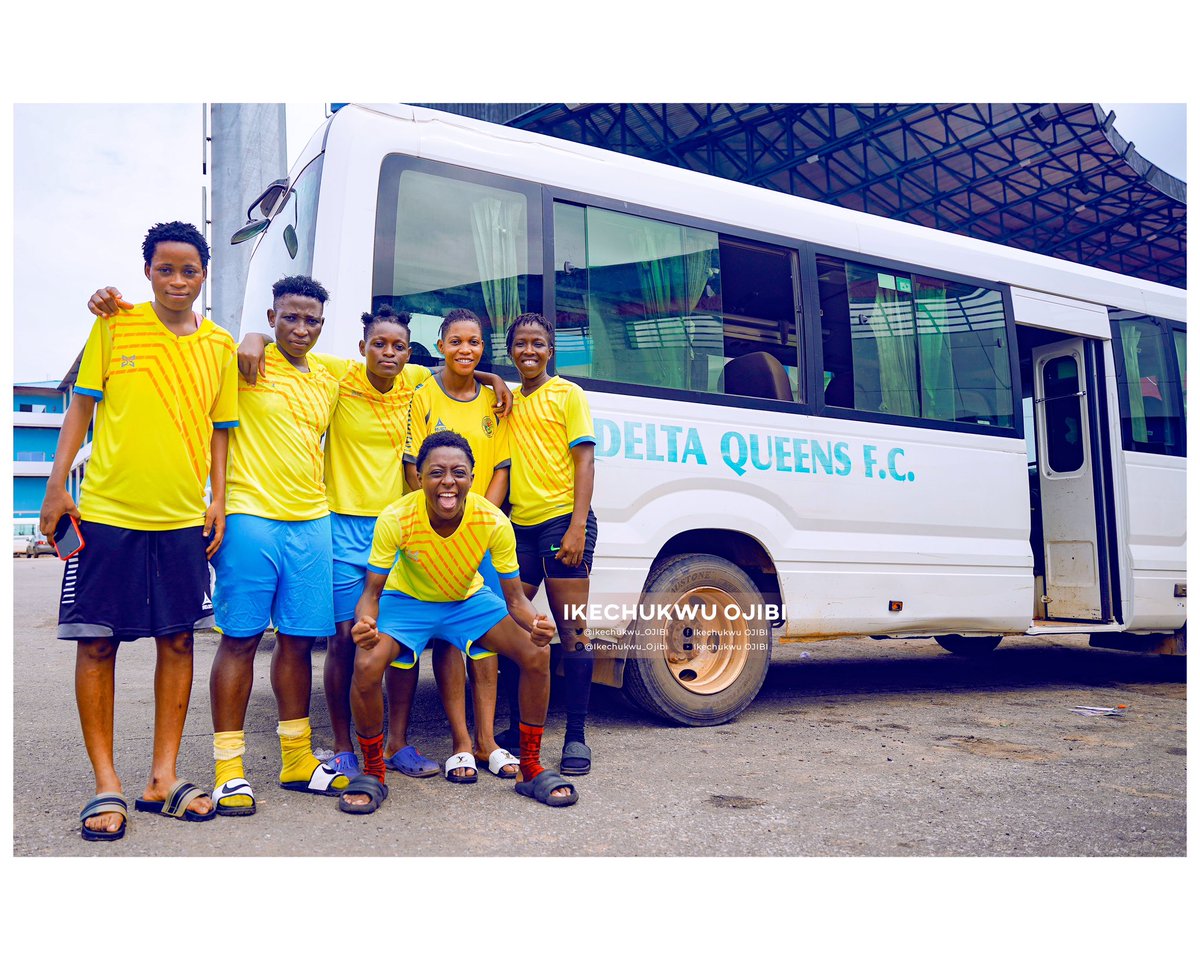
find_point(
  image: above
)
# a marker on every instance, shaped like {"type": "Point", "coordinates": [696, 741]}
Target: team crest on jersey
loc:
{"type": "Point", "coordinates": [439, 426]}
{"type": "Point", "coordinates": [487, 426]}
{"type": "Point", "coordinates": [130, 361]}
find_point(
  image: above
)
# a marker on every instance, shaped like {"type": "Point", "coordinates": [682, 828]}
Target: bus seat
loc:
{"type": "Point", "coordinates": [757, 374]}
{"type": "Point", "coordinates": [840, 392]}
{"type": "Point", "coordinates": [973, 408]}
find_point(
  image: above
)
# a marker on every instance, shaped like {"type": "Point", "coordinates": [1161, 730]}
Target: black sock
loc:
{"type": "Point", "coordinates": [577, 689]}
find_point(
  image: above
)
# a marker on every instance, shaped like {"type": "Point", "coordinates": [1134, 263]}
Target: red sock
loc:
{"type": "Point", "coordinates": [531, 751]}
{"type": "Point", "coordinates": [372, 751]}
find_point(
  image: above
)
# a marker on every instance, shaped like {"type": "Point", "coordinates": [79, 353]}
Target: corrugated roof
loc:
{"type": "Point", "coordinates": [1053, 178]}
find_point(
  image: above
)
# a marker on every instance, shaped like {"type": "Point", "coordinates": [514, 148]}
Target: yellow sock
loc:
{"type": "Point", "coordinates": [299, 762]}
{"type": "Point", "coordinates": [228, 747]}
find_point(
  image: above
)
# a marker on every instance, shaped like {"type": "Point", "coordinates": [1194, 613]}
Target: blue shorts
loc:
{"type": "Point", "coordinates": [412, 623]}
{"type": "Point", "coordinates": [491, 577]}
{"type": "Point", "coordinates": [274, 572]}
{"type": "Point", "coordinates": [352, 538]}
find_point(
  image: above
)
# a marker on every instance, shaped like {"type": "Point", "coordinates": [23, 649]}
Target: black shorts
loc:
{"type": "Point", "coordinates": [127, 584]}
{"type": "Point", "coordinates": [538, 544]}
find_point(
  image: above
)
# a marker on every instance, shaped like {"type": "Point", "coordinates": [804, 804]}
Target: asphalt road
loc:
{"type": "Point", "coordinates": [853, 748]}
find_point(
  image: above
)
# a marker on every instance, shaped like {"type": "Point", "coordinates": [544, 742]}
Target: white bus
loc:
{"type": "Point", "coordinates": [816, 422]}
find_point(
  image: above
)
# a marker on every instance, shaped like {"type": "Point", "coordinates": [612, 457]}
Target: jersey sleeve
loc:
{"type": "Point", "coordinates": [415, 374]}
{"type": "Point", "coordinates": [93, 365]}
{"type": "Point", "coordinates": [224, 413]}
{"type": "Point", "coordinates": [503, 546]}
{"type": "Point", "coordinates": [418, 426]}
{"type": "Point", "coordinates": [579, 418]}
{"type": "Point", "coordinates": [338, 366]}
{"type": "Point", "coordinates": [386, 543]}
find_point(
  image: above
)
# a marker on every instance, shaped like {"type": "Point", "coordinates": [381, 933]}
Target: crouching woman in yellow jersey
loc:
{"type": "Point", "coordinates": [423, 581]}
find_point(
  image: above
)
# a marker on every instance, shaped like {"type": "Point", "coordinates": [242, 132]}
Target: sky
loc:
{"type": "Point", "coordinates": [89, 179]}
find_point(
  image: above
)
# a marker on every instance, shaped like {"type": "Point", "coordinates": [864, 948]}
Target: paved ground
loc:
{"type": "Point", "coordinates": [860, 747]}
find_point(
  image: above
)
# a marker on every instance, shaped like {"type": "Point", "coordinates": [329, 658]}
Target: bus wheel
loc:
{"type": "Point", "coordinates": [704, 661]}
{"type": "Point", "coordinates": [968, 646]}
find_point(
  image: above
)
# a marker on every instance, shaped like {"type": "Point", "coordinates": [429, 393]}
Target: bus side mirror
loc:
{"type": "Point", "coordinates": [251, 229]}
{"type": "Point", "coordinates": [291, 241]}
{"type": "Point", "coordinates": [266, 200]}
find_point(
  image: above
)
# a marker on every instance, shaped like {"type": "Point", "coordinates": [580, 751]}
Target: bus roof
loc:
{"type": "Point", "coordinates": [613, 176]}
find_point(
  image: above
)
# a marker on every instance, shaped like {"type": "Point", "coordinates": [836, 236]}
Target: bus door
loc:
{"type": "Point", "coordinates": [1066, 397]}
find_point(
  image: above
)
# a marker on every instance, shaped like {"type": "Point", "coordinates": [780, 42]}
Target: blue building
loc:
{"type": "Point", "coordinates": [38, 410]}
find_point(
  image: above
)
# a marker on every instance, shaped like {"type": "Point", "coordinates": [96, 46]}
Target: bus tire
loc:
{"type": "Point", "coordinates": [968, 646]}
{"type": "Point", "coordinates": [699, 671]}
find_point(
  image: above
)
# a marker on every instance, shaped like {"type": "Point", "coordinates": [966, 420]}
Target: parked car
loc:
{"type": "Point", "coordinates": [38, 546]}
{"type": "Point", "coordinates": [22, 529]}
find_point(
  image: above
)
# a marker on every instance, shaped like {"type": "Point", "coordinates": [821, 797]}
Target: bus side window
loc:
{"type": "Point", "coordinates": [447, 239]}
{"type": "Point", "coordinates": [898, 343]}
{"type": "Point", "coordinates": [1150, 383]}
{"type": "Point", "coordinates": [654, 303]}
{"type": "Point", "coordinates": [761, 354]}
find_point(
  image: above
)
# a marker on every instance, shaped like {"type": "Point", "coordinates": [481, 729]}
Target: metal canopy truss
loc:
{"type": "Point", "coordinates": [1053, 178]}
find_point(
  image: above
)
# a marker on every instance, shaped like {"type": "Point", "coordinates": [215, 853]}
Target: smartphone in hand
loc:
{"type": "Point", "coordinates": [68, 540]}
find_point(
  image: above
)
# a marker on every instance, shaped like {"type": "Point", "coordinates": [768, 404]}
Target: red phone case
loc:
{"type": "Point", "coordinates": [78, 533]}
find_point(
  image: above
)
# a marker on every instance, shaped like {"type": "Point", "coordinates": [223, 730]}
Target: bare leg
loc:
{"type": "Point", "coordinates": [484, 685]}
{"type": "Point", "coordinates": [401, 690]}
{"type": "Point", "coordinates": [95, 680]}
{"type": "Point", "coordinates": [366, 696]}
{"type": "Point", "coordinates": [172, 691]}
{"type": "Point", "coordinates": [291, 675]}
{"type": "Point", "coordinates": [366, 690]}
{"type": "Point", "coordinates": [339, 666]}
{"type": "Point", "coordinates": [507, 637]}
{"type": "Point", "coordinates": [509, 680]}
{"type": "Point", "coordinates": [231, 680]}
{"type": "Point", "coordinates": [451, 678]}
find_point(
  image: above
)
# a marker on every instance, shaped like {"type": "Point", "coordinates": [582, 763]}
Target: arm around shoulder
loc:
{"type": "Point", "coordinates": [252, 356]}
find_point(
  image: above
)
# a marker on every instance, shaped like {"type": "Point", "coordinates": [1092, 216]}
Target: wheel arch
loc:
{"type": "Point", "coordinates": [737, 547]}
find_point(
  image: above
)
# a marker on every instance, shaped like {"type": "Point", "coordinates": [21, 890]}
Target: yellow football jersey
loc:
{"type": "Point", "coordinates": [423, 564]}
{"type": "Point", "coordinates": [432, 410]}
{"type": "Point", "coordinates": [159, 397]}
{"type": "Point", "coordinates": [545, 426]}
{"type": "Point", "coordinates": [276, 466]}
{"type": "Point", "coordinates": [364, 452]}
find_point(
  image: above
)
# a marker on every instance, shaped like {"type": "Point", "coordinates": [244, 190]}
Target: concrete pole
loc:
{"type": "Point", "coordinates": [249, 150]}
